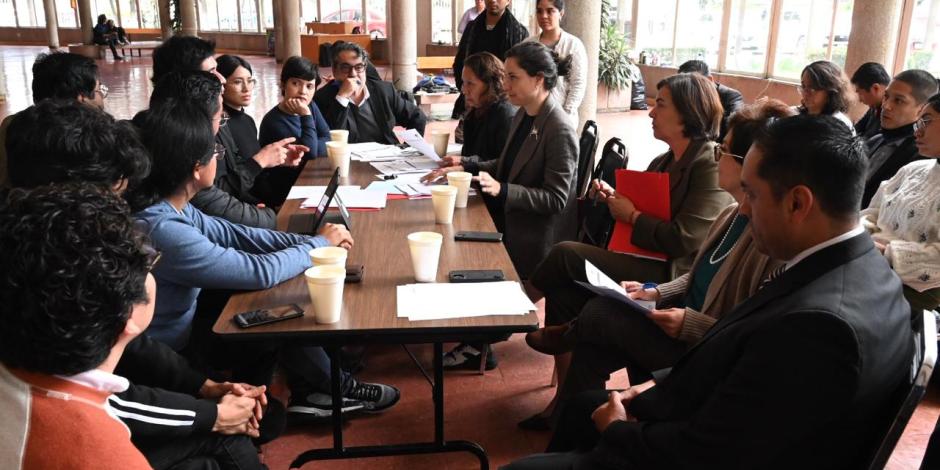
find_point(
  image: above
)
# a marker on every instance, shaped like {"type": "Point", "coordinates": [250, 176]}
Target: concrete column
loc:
{"type": "Point", "coordinates": [278, 31]}
{"type": "Point", "coordinates": [874, 33]}
{"type": "Point", "coordinates": [290, 30]}
{"type": "Point", "coordinates": [52, 23]}
{"type": "Point", "coordinates": [404, 53]}
{"type": "Point", "coordinates": [584, 21]}
{"type": "Point", "coordinates": [86, 22]}
{"type": "Point", "coordinates": [166, 18]}
{"type": "Point", "coordinates": [188, 26]}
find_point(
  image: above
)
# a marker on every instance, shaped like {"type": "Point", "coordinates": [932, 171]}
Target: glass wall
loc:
{"type": "Point", "coordinates": [655, 26]}
{"type": "Point", "coordinates": [804, 30]}
{"type": "Point", "coordinates": [921, 50]}
{"type": "Point", "coordinates": [65, 14]}
{"type": "Point", "coordinates": [30, 13]}
{"type": "Point", "coordinates": [698, 31]}
{"type": "Point", "coordinates": [149, 14]}
{"type": "Point", "coordinates": [748, 29]}
{"type": "Point", "coordinates": [442, 21]}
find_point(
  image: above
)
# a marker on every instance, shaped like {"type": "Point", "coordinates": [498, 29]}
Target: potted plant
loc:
{"type": "Point", "coordinates": [615, 73]}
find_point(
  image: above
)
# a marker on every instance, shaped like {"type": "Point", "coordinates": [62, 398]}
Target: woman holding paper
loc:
{"type": "Point", "coordinates": [529, 189]}
{"type": "Point", "coordinates": [686, 116]}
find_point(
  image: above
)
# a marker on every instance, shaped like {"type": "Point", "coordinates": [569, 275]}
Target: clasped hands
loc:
{"type": "Point", "coordinates": [240, 407]}
{"type": "Point", "coordinates": [621, 207]}
{"type": "Point", "coordinates": [616, 407]}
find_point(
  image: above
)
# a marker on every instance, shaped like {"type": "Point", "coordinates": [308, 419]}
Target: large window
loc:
{"type": "Point", "coordinates": [65, 14]}
{"type": "Point", "coordinates": [30, 13]}
{"type": "Point", "coordinates": [656, 21]}
{"type": "Point", "coordinates": [149, 14]}
{"type": "Point", "coordinates": [747, 36]}
{"type": "Point", "coordinates": [103, 7]}
{"type": "Point", "coordinates": [7, 13]}
{"type": "Point", "coordinates": [804, 34]}
{"type": "Point", "coordinates": [128, 14]}
{"type": "Point", "coordinates": [921, 50]}
{"type": "Point", "coordinates": [442, 21]}
{"type": "Point", "coordinates": [377, 24]}
{"type": "Point", "coordinates": [249, 16]}
{"type": "Point", "coordinates": [698, 31]}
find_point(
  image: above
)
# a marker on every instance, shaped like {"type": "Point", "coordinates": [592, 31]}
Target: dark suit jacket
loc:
{"type": "Point", "coordinates": [794, 377]}
{"type": "Point", "coordinates": [903, 151]}
{"type": "Point", "coordinates": [695, 201]}
{"type": "Point", "coordinates": [388, 107]}
{"type": "Point", "coordinates": [540, 195]}
{"type": "Point", "coordinates": [731, 100]}
{"type": "Point", "coordinates": [870, 124]}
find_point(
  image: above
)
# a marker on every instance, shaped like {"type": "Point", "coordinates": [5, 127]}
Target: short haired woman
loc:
{"type": "Point", "coordinates": [295, 116]}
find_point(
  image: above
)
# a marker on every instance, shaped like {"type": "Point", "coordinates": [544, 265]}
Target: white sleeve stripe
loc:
{"type": "Point", "coordinates": [152, 420]}
{"type": "Point", "coordinates": [151, 408]}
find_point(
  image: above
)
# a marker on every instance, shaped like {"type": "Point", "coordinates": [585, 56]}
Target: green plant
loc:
{"type": "Point", "coordinates": [615, 69]}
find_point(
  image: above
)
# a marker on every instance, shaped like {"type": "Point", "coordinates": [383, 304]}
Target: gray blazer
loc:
{"type": "Point", "coordinates": [540, 200]}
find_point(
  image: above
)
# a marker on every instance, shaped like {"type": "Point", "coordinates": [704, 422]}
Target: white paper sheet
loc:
{"type": "Point", "coordinates": [416, 140]}
{"type": "Point", "coordinates": [439, 301]}
{"type": "Point", "coordinates": [408, 165]}
{"type": "Point", "coordinates": [597, 278]}
{"type": "Point", "coordinates": [308, 192]}
{"type": "Point", "coordinates": [353, 197]}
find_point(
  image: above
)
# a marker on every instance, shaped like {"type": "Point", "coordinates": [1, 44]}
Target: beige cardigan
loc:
{"type": "Point", "coordinates": [738, 278]}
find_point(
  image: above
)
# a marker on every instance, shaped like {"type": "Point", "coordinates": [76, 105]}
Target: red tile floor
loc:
{"type": "Point", "coordinates": [479, 408]}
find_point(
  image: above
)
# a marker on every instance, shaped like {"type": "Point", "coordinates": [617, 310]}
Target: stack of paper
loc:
{"type": "Point", "coordinates": [418, 302]}
{"type": "Point", "coordinates": [374, 152]}
{"type": "Point", "coordinates": [353, 197]}
{"type": "Point", "coordinates": [405, 165]}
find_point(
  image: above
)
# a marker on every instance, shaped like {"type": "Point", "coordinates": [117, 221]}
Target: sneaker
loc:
{"type": "Point", "coordinates": [465, 356]}
{"type": "Point", "coordinates": [319, 405]}
{"type": "Point", "coordinates": [374, 398]}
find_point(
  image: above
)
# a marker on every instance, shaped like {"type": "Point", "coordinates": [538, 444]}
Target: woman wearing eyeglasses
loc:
{"type": "Point", "coordinates": [727, 270]}
{"type": "Point", "coordinates": [824, 89]}
{"type": "Point", "coordinates": [904, 214]}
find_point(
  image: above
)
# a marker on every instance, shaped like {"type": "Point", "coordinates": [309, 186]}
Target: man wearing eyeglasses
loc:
{"type": "Point", "coordinates": [62, 76]}
{"type": "Point", "coordinates": [369, 109]}
{"type": "Point", "coordinates": [894, 146]}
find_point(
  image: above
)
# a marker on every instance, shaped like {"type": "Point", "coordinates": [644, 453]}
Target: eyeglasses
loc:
{"type": "Point", "coordinates": [153, 256]}
{"type": "Point", "coordinates": [719, 152]}
{"type": "Point", "coordinates": [806, 90]}
{"type": "Point", "coordinates": [103, 90]}
{"type": "Point", "coordinates": [346, 68]}
{"type": "Point", "coordinates": [922, 123]}
{"type": "Point", "coordinates": [239, 82]}
{"type": "Point", "coordinates": [219, 151]}
{"type": "Point", "coordinates": [223, 120]}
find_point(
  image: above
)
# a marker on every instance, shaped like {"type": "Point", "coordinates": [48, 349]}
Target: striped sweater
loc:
{"type": "Point", "coordinates": [57, 423]}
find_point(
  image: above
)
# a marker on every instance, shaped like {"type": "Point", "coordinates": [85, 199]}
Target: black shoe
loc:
{"type": "Point", "coordinates": [119, 58]}
{"type": "Point", "coordinates": [536, 422]}
{"type": "Point", "coordinates": [319, 405]}
{"type": "Point", "coordinates": [467, 357]}
{"type": "Point", "coordinates": [374, 398]}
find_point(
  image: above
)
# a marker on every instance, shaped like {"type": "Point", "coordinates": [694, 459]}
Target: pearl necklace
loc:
{"type": "Point", "coordinates": [711, 259]}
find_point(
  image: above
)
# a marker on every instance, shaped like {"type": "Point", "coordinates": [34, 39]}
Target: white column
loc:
{"type": "Point", "coordinates": [166, 29]}
{"type": "Point", "coordinates": [404, 57]}
{"type": "Point", "coordinates": [52, 23]}
{"type": "Point", "coordinates": [188, 18]}
{"type": "Point", "coordinates": [290, 29]}
{"type": "Point", "coordinates": [85, 21]}
{"type": "Point", "coordinates": [278, 32]}
{"type": "Point", "coordinates": [584, 21]}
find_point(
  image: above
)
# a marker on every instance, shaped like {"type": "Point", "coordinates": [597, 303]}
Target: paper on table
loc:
{"type": "Point", "coordinates": [353, 198]}
{"type": "Point", "coordinates": [446, 301]}
{"type": "Point", "coordinates": [411, 165]}
{"type": "Point", "coordinates": [600, 284]}
{"type": "Point", "coordinates": [308, 192]}
{"type": "Point", "coordinates": [416, 140]}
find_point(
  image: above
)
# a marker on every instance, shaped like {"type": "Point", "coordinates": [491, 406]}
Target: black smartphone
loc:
{"type": "Point", "coordinates": [476, 275]}
{"type": "Point", "coordinates": [466, 236]}
{"type": "Point", "coordinates": [264, 316]}
{"type": "Point", "coordinates": [354, 273]}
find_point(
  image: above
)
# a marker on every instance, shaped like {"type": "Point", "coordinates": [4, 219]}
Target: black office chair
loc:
{"type": "Point", "coordinates": [908, 396]}
{"type": "Point", "coordinates": [587, 148]}
{"type": "Point", "coordinates": [595, 223]}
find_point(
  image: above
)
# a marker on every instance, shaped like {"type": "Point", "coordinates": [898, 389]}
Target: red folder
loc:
{"type": "Point", "coordinates": [649, 192]}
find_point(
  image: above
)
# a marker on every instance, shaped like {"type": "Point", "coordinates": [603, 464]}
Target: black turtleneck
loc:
{"type": "Point", "coordinates": [244, 132]}
{"type": "Point", "coordinates": [899, 133]}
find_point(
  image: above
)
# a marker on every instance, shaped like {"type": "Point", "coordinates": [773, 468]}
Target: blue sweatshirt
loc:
{"type": "Point", "coordinates": [312, 130]}
{"type": "Point", "coordinates": [200, 251]}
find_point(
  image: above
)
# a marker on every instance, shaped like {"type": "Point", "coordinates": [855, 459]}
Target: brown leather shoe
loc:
{"type": "Point", "coordinates": [550, 340]}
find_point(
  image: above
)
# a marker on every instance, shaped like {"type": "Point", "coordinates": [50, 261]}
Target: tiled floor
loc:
{"type": "Point", "coordinates": [484, 408]}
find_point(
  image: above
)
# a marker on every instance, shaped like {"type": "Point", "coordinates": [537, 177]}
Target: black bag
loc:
{"type": "Point", "coordinates": [326, 55]}
{"type": "Point", "coordinates": [638, 94]}
{"type": "Point", "coordinates": [596, 222]}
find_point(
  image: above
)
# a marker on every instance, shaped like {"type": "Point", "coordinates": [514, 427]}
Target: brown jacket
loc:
{"type": "Point", "coordinates": [695, 200]}
{"type": "Point", "coordinates": [738, 278]}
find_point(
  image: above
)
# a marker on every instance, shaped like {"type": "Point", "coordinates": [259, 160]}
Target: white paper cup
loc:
{"type": "Point", "coordinates": [425, 250]}
{"type": "Point", "coordinates": [328, 256]}
{"type": "Point", "coordinates": [325, 286]}
{"type": "Point", "coordinates": [460, 180]}
{"type": "Point", "coordinates": [339, 157]}
{"type": "Point", "coordinates": [443, 198]}
{"type": "Point", "coordinates": [339, 135]}
{"type": "Point", "coordinates": [440, 140]}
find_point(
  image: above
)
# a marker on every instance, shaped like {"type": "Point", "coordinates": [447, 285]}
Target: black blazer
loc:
{"type": "Point", "coordinates": [731, 101]}
{"type": "Point", "coordinates": [791, 378]}
{"type": "Point", "coordinates": [388, 106]}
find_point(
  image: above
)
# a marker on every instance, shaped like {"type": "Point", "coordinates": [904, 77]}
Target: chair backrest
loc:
{"type": "Point", "coordinates": [587, 148]}
{"type": "Point", "coordinates": [595, 222]}
{"type": "Point", "coordinates": [909, 395]}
